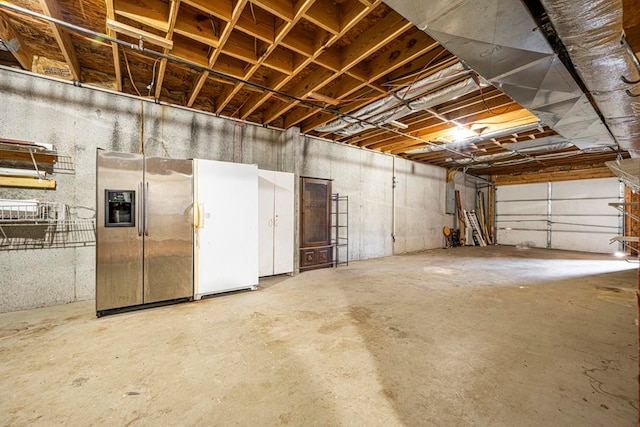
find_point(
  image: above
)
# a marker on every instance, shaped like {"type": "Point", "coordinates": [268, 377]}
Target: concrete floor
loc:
{"type": "Point", "coordinates": [464, 336]}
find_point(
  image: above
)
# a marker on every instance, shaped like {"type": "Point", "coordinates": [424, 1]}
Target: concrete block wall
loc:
{"type": "Point", "coordinates": [79, 120]}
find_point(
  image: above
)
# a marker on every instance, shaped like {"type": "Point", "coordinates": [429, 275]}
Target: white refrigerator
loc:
{"type": "Point", "coordinates": [226, 227]}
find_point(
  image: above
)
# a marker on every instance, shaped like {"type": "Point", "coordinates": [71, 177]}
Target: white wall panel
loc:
{"type": "Point", "coordinates": [580, 218]}
{"type": "Point", "coordinates": [522, 215]}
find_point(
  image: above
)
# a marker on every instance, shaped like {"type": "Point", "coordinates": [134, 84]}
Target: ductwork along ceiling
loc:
{"type": "Point", "coordinates": [488, 86]}
{"type": "Point", "coordinates": [503, 43]}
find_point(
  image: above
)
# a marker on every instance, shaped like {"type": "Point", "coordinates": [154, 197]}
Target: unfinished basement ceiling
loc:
{"type": "Point", "coordinates": [353, 71]}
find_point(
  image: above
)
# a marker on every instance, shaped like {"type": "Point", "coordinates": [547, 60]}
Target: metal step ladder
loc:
{"type": "Point", "coordinates": [472, 219]}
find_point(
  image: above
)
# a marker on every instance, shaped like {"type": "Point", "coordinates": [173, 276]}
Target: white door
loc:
{"type": "Point", "coordinates": [227, 239]}
{"type": "Point", "coordinates": [283, 222]}
{"type": "Point", "coordinates": [265, 228]}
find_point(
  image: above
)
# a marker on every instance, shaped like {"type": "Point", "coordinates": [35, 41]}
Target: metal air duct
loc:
{"type": "Point", "coordinates": [500, 40]}
{"type": "Point", "coordinates": [403, 102]}
{"type": "Point", "coordinates": [592, 32]}
{"type": "Point", "coordinates": [473, 139]}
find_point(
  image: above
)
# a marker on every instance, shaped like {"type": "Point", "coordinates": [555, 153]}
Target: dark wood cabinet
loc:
{"type": "Point", "coordinates": [316, 250]}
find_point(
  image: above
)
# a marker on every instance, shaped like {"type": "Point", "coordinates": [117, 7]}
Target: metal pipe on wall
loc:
{"type": "Point", "coordinates": [141, 127]}
{"type": "Point", "coordinates": [549, 222]}
{"type": "Point", "coordinates": [394, 183]}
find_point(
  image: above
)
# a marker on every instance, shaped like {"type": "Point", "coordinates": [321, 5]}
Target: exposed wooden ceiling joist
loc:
{"type": "Point", "coordinates": [52, 9]}
{"type": "Point", "coordinates": [114, 46]}
{"type": "Point", "coordinates": [173, 16]}
{"type": "Point", "coordinates": [14, 42]}
{"type": "Point", "coordinates": [290, 63]}
{"type": "Point", "coordinates": [316, 47]}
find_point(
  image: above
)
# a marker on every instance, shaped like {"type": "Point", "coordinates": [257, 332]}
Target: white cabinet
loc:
{"type": "Point", "coordinates": [276, 222]}
{"type": "Point", "coordinates": [226, 218]}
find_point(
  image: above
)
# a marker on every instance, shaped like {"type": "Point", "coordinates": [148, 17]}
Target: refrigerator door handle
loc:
{"type": "Point", "coordinates": [139, 207]}
{"type": "Point", "coordinates": [196, 215]}
{"type": "Point", "coordinates": [146, 210]}
{"type": "Point", "coordinates": [200, 210]}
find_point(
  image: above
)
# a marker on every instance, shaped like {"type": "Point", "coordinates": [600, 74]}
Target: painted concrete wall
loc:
{"type": "Point", "coordinates": [79, 120]}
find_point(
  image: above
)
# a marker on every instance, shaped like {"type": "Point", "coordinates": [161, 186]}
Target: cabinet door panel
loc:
{"type": "Point", "coordinates": [307, 257]}
{"type": "Point", "coordinates": [315, 229]}
{"type": "Point", "coordinates": [315, 223]}
{"type": "Point", "coordinates": [283, 222]}
{"type": "Point", "coordinates": [266, 226]}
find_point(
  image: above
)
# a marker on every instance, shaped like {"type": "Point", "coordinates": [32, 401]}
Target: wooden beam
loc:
{"type": "Point", "coordinates": [584, 160]}
{"type": "Point", "coordinates": [318, 46]}
{"type": "Point", "coordinates": [299, 41]}
{"type": "Point", "coordinates": [27, 182]}
{"type": "Point", "coordinates": [173, 16]}
{"type": "Point", "coordinates": [326, 15]}
{"type": "Point", "coordinates": [382, 138]}
{"type": "Point", "coordinates": [407, 146]}
{"type": "Point", "coordinates": [222, 9]}
{"type": "Point", "coordinates": [281, 32]}
{"type": "Point", "coordinates": [52, 9]}
{"type": "Point", "coordinates": [386, 141]}
{"type": "Point", "coordinates": [241, 47]}
{"type": "Point", "coordinates": [152, 13]}
{"type": "Point", "coordinates": [411, 47]}
{"type": "Point", "coordinates": [421, 63]}
{"type": "Point", "coordinates": [551, 176]}
{"type": "Point", "coordinates": [283, 9]}
{"type": "Point", "coordinates": [384, 31]}
{"type": "Point", "coordinates": [231, 66]}
{"type": "Point", "coordinates": [257, 23]}
{"type": "Point", "coordinates": [137, 33]}
{"type": "Point", "coordinates": [345, 87]}
{"type": "Point", "coordinates": [353, 9]}
{"type": "Point", "coordinates": [381, 33]}
{"type": "Point", "coordinates": [26, 156]}
{"type": "Point", "coordinates": [15, 43]}
{"type": "Point", "coordinates": [236, 11]}
{"type": "Point", "coordinates": [415, 122]}
{"type": "Point", "coordinates": [316, 80]}
{"type": "Point", "coordinates": [189, 26]}
{"type": "Point", "coordinates": [198, 83]}
{"type": "Point", "coordinates": [114, 46]}
{"type": "Point", "coordinates": [280, 60]}
{"type": "Point", "coordinates": [182, 48]}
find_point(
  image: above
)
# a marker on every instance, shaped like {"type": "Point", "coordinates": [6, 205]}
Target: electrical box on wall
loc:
{"type": "Point", "coordinates": [450, 205]}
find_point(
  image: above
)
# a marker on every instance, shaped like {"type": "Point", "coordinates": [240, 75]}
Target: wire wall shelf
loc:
{"type": "Point", "coordinates": [31, 224]}
{"type": "Point", "coordinates": [340, 228]}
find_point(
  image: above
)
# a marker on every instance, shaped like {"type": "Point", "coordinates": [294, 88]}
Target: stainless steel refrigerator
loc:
{"type": "Point", "coordinates": [144, 242]}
